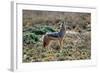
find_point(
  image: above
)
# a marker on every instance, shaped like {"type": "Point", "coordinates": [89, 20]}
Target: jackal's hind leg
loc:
{"type": "Point", "coordinates": [46, 42]}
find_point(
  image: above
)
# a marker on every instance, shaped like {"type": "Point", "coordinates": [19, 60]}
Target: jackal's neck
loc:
{"type": "Point", "coordinates": [63, 29]}
{"type": "Point", "coordinates": [62, 32]}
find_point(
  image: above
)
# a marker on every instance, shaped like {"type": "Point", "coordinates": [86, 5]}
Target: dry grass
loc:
{"type": "Point", "coordinates": [76, 46]}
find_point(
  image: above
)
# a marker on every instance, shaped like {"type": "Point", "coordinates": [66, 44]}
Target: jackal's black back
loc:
{"type": "Point", "coordinates": [59, 34]}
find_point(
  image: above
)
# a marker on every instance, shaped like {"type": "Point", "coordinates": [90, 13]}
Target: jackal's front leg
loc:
{"type": "Point", "coordinates": [61, 43]}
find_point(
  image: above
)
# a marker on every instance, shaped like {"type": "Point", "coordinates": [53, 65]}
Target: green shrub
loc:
{"type": "Point", "coordinates": [30, 38]}
{"type": "Point", "coordinates": [32, 34]}
{"type": "Point", "coordinates": [48, 29]}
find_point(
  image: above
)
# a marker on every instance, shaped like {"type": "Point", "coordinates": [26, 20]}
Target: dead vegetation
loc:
{"type": "Point", "coordinates": [77, 42]}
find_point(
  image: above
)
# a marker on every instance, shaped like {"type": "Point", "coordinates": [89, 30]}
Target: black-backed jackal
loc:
{"type": "Point", "coordinates": [55, 36]}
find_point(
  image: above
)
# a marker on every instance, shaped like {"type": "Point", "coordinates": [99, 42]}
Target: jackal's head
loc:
{"type": "Point", "coordinates": [62, 25]}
